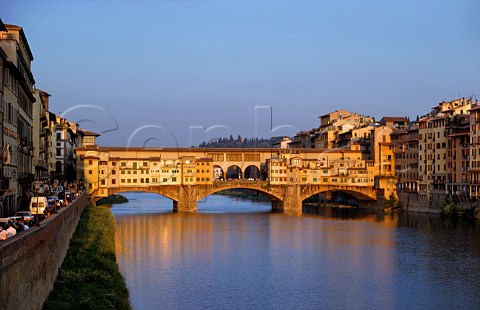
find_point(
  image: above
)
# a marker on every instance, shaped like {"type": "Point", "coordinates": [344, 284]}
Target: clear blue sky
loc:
{"type": "Point", "coordinates": [180, 72]}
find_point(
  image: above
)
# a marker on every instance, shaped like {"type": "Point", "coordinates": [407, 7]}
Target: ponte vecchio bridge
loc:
{"type": "Point", "coordinates": [187, 175]}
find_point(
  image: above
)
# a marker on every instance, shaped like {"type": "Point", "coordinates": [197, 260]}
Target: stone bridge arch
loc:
{"type": "Point", "coordinates": [168, 191]}
{"type": "Point", "coordinates": [273, 193]}
{"type": "Point", "coordinates": [360, 193]}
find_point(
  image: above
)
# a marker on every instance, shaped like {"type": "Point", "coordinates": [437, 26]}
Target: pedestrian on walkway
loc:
{"type": "Point", "coordinates": [11, 230]}
{"type": "Point", "coordinates": [3, 232]}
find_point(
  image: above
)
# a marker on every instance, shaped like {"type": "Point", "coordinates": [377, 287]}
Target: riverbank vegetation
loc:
{"type": "Point", "coordinates": [245, 194]}
{"type": "Point", "coordinates": [112, 199]}
{"type": "Point", "coordinates": [391, 204]}
{"type": "Point", "coordinates": [451, 208]}
{"type": "Point", "coordinates": [89, 277]}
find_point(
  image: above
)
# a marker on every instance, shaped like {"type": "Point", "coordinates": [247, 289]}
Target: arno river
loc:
{"type": "Point", "coordinates": [236, 254]}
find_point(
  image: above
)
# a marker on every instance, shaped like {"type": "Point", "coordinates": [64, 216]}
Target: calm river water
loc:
{"type": "Point", "coordinates": [236, 254]}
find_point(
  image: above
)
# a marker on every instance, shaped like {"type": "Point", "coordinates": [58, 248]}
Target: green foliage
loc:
{"type": "Point", "coordinates": [89, 277]}
{"type": "Point", "coordinates": [476, 210]}
{"type": "Point", "coordinates": [449, 207]}
{"type": "Point", "coordinates": [112, 199]}
{"type": "Point", "coordinates": [240, 142]}
{"type": "Point", "coordinates": [391, 203]}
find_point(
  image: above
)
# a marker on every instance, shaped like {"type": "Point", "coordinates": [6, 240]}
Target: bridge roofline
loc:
{"type": "Point", "coordinates": [207, 150]}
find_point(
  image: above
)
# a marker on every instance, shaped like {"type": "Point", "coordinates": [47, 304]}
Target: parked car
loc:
{"type": "Point", "coordinates": [14, 218]}
{"type": "Point", "coordinates": [3, 221]}
{"type": "Point", "coordinates": [27, 216]}
{"type": "Point", "coordinates": [68, 195]}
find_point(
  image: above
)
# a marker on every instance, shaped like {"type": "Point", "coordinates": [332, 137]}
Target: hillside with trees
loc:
{"type": "Point", "coordinates": [240, 142]}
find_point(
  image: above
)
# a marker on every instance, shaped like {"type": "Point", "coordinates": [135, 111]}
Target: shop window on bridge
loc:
{"type": "Point", "coordinates": [216, 157]}
{"type": "Point", "coordinates": [252, 157]}
{"type": "Point", "coordinates": [234, 157]}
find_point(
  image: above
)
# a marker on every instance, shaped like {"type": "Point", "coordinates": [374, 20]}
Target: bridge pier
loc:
{"type": "Point", "coordinates": [292, 203]}
{"type": "Point", "coordinates": [187, 199]}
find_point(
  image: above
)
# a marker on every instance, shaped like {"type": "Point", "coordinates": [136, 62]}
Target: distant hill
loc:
{"type": "Point", "coordinates": [240, 142]}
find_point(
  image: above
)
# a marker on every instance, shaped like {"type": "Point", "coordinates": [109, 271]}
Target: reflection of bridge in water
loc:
{"type": "Point", "coordinates": [189, 175]}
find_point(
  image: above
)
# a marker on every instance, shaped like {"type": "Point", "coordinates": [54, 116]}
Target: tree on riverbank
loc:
{"type": "Point", "coordinates": [391, 203]}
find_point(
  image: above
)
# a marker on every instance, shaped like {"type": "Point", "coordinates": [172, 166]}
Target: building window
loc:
{"type": "Point", "coordinates": [58, 166]}
{"type": "Point", "coordinates": [90, 172]}
{"type": "Point", "coordinates": [114, 181]}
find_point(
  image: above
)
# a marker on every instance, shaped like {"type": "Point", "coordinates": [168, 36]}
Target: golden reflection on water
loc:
{"type": "Point", "coordinates": [167, 240]}
{"type": "Point", "coordinates": [333, 259]}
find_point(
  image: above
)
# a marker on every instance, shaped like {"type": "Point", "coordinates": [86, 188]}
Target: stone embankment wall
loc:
{"type": "Point", "coordinates": [411, 201]}
{"type": "Point", "coordinates": [29, 262]}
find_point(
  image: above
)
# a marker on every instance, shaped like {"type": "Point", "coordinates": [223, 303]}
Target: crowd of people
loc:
{"type": "Point", "coordinates": [11, 228]}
